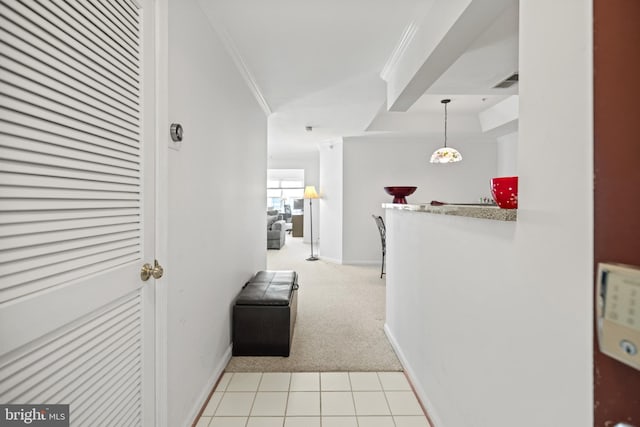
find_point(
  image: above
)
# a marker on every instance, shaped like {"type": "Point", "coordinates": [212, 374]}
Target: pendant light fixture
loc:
{"type": "Point", "coordinates": [445, 154]}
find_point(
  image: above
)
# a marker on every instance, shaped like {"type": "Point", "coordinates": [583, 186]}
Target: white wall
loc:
{"type": "Point", "coordinates": [508, 155]}
{"type": "Point", "coordinates": [371, 163]}
{"type": "Point", "coordinates": [217, 193]}
{"type": "Point", "coordinates": [493, 320]}
{"type": "Point", "coordinates": [310, 162]}
{"type": "Point", "coordinates": [331, 184]}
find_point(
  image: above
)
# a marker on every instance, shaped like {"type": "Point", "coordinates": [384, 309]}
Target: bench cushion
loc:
{"type": "Point", "coordinates": [269, 288]}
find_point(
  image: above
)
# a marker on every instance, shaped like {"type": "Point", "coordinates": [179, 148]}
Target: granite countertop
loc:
{"type": "Point", "coordinates": [471, 211]}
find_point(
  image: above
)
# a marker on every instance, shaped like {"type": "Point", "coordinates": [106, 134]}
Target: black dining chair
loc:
{"type": "Point", "coordinates": [383, 239]}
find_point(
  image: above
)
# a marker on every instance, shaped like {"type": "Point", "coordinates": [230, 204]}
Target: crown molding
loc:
{"type": "Point", "coordinates": [419, 14]}
{"type": "Point", "coordinates": [233, 51]}
{"type": "Point", "coordinates": [405, 40]}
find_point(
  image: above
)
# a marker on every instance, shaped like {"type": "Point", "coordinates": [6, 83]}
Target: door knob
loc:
{"type": "Point", "coordinates": [149, 270]}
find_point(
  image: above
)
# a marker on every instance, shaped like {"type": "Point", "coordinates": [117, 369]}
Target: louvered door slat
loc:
{"type": "Point", "coordinates": [57, 84]}
{"type": "Point", "coordinates": [68, 183]}
{"type": "Point", "coordinates": [126, 39]}
{"type": "Point", "coordinates": [44, 272]}
{"type": "Point", "coordinates": [82, 39]}
{"type": "Point", "coordinates": [63, 162]}
{"type": "Point", "coordinates": [43, 204]}
{"type": "Point", "coordinates": [75, 366]}
{"type": "Point", "coordinates": [59, 258]}
{"type": "Point", "coordinates": [108, 403]}
{"type": "Point", "coordinates": [14, 135]}
{"type": "Point", "coordinates": [39, 217]}
{"type": "Point", "coordinates": [43, 354]}
{"type": "Point", "coordinates": [52, 373]}
{"type": "Point", "coordinates": [104, 377]}
{"type": "Point", "coordinates": [92, 36]}
{"type": "Point", "coordinates": [106, 12]}
{"type": "Point", "coordinates": [55, 171]}
{"type": "Point", "coordinates": [8, 192]}
{"type": "Point", "coordinates": [80, 115]}
{"type": "Point", "coordinates": [42, 37]}
{"type": "Point", "coordinates": [131, 7]}
{"type": "Point", "coordinates": [105, 32]}
{"type": "Point", "coordinates": [70, 41]}
{"type": "Point", "coordinates": [123, 238]}
{"type": "Point", "coordinates": [128, 415]}
{"type": "Point", "coordinates": [63, 118]}
{"type": "Point", "coordinates": [61, 236]}
{"type": "Point", "coordinates": [84, 268]}
{"type": "Point", "coordinates": [70, 150]}
{"type": "Point", "coordinates": [128, 7]}
{"type": "Point", "coordinates": [18, 86]}
{"type": "Point", "coordinates": [9, 230]}
{"type": "Point", "coordinates": [35, 55]}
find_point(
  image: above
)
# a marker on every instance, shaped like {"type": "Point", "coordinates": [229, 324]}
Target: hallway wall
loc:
{"type": "Point", "coordinates": [217, 193]}
{"type": "Point", "coordinates": [332, 200]}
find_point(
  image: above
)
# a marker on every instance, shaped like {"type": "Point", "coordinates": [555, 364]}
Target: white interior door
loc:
{"type": "Point", "coordinates": [77, 207]}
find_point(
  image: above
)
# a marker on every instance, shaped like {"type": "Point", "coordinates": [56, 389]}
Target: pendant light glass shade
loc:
{"type": "Point", "coordinates": [445, 154]}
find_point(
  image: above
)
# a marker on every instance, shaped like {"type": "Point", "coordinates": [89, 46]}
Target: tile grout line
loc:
{"type": "Point", "coordinates": [213, 390]}
{"type": "Point", "coordinates": [286, 405]}
{"type": "Point", "coordinates": [320, 395]}
{"type": "Point", "coordinates": [353, 399]}
{"type": "Point", "coordinates": [384, 393]}
{"type": "Point", "coordinates": [255, 397]}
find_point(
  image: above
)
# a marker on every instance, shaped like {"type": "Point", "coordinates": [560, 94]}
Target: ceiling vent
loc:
{"type": "Point", "coordinates": [508, 82]}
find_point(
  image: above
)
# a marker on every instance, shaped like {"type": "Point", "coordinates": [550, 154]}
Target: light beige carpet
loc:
{"type": "Point", "coordinates": [340, 320]}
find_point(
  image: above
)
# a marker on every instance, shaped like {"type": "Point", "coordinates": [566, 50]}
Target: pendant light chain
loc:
{"type": "Point", "coordinates": [445, 124]}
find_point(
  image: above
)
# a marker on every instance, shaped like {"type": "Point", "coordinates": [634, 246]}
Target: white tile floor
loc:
{"type": "Point", "coordinates": [313, 399]}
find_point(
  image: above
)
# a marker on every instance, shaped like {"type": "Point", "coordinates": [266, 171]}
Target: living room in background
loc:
{"type": "Point", "coordinates": [285, 191]}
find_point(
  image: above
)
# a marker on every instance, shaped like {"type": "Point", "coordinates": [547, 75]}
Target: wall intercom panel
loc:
{"type": "Point", "coordinates": [618, 311]}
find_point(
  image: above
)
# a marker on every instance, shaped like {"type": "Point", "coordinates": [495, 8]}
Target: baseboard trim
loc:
{"type": "Point", "coordinates": [430, 412]}
{"type": "Point", "coordinates": [332, 260]}
{"type": "Point", "coordinates": [342, 262]}
{"type": "Point", "coordinates": [366, 263]}
{"type": "Point", "coordinates": [207, 391]}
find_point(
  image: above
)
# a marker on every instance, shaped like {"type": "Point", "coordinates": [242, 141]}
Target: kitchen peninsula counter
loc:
{"type": "Point", "coordinates": [448, 269]}
{"type": "Point", "coordinates": [471, 211]}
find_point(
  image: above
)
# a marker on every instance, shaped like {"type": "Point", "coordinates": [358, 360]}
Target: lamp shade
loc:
{"type": "Point", "coordinates": [446, 155]}
{"type": "Point", "coordinates": [310, 192]}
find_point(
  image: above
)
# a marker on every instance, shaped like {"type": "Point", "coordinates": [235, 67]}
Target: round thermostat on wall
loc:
{"type": "Point", "coordinates": [176, 132]}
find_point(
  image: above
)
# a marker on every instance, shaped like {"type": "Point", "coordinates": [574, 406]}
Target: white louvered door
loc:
{"type": "Point", "coordinates": [77, 213]}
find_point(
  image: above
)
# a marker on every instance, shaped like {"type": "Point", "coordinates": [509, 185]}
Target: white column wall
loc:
{"type": "Point", "coordinates": [508, 155]}
{"type": "Point", "coordinates": [331, 202]}
{"type": "Point", "coordinates": [493, 320]}
{"type": "Point", "coordinates": [217, 192]}
{"type": "Point", "coordinates": [371, 163]}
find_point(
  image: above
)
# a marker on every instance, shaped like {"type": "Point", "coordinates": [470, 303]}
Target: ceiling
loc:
{"type": "Point", "coordinates": [318, 63]}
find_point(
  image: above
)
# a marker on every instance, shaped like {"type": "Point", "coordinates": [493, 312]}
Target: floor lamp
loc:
{"type": "Point", "coordinates": [310, 193]}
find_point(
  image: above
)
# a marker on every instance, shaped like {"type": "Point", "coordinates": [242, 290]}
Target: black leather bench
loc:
{"type": "Point", "coordinates": [264, 314]}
